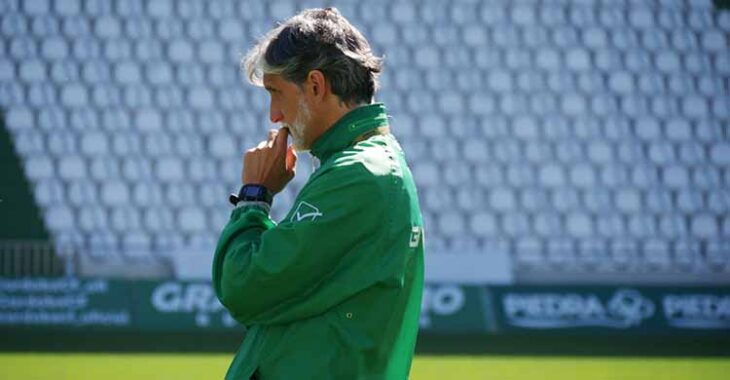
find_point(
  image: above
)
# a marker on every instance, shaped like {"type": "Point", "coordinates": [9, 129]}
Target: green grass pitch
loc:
{"type": "Point", "coordinates": [203, 366]}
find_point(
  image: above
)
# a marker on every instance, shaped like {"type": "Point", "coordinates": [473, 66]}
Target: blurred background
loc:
{"type": "Point", "coordinates": [572, 159]}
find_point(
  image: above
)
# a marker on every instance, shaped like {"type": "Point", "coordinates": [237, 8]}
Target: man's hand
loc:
{"type": "Point", "coordinates": [272, 163]}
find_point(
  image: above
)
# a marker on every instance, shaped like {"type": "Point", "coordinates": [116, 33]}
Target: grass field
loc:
{"type": "Point", "coordinates": [199, 366]}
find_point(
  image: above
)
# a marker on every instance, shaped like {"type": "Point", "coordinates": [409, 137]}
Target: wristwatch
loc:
{"type": "Point", "coordinates": [252, 193]}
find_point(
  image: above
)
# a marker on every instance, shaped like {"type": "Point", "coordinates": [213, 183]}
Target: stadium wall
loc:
{"type": "Point", "coordinates": [41, 314]}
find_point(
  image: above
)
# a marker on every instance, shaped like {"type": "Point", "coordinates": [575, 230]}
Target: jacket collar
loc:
{"type": "Point", "coordinates": [360, 120]}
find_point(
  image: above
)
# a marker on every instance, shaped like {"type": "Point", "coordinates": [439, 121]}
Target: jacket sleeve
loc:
{"type": "Point", "coordinates": [322, 253]}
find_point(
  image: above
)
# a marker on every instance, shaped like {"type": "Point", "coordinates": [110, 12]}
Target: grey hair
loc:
{"type": "Point", "coordinates": [318, 39]}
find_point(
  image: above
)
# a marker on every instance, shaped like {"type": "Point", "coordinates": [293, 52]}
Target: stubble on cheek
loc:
{"type": "Point", "coordinates": [296, 128]}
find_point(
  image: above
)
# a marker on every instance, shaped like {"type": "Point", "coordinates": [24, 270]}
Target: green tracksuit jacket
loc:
{"type": "Point", "coordinates": [334, 290]}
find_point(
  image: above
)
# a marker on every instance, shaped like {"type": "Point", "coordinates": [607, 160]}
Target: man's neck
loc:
{"type": "Point", "coordinates": [330, 115]}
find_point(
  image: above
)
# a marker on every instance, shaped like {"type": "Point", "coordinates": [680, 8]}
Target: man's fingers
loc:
{"type": "Point", "coordinates": [291, 159]}
{"type": "Point", "coordinates": [272, 137]}
{"type": "Point", "coordinates": [281, 138]}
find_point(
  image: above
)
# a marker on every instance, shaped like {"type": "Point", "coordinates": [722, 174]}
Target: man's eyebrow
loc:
{"type": "Point", "coordinates": [269, 88]}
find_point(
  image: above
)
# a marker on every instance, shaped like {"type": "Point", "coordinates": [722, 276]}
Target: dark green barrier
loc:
{"type": "Point", "coordinates": [624, 310]}
{"type": "Point", "coordinates": [111, 305]}
{"type": "Point", "coordinates": [70, 304]}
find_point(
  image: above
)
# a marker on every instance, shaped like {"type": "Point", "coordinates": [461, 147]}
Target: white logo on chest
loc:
{"type": "Point", "coordinates": [415, 237]}
{"type": "Point", "coordinates": [305, 211]}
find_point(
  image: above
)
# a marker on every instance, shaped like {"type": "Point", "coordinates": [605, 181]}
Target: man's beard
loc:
{"type": "Point", "coordinates": [296, 128]}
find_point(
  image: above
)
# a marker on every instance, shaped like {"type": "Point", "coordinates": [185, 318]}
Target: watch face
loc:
{"type": "Point", "coordinates": [251, 191]}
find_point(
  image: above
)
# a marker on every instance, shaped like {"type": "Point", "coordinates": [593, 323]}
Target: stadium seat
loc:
{"type": "Point", "coordinates": [577, 136]}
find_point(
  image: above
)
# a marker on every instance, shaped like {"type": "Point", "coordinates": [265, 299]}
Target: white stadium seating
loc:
{"type": "Point", "coordinates": [568, 139]}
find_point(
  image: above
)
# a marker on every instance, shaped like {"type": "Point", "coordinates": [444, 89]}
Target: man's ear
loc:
{"type": "Point", "coordinates": [317, 84]}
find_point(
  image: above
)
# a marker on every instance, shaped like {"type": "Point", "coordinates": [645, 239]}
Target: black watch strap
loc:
{"type": "Point", "coordinates": [252, 193]}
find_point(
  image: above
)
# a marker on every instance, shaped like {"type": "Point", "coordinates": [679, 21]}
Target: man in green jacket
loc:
{"type": "Point", "coordinates": [333, 291]}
